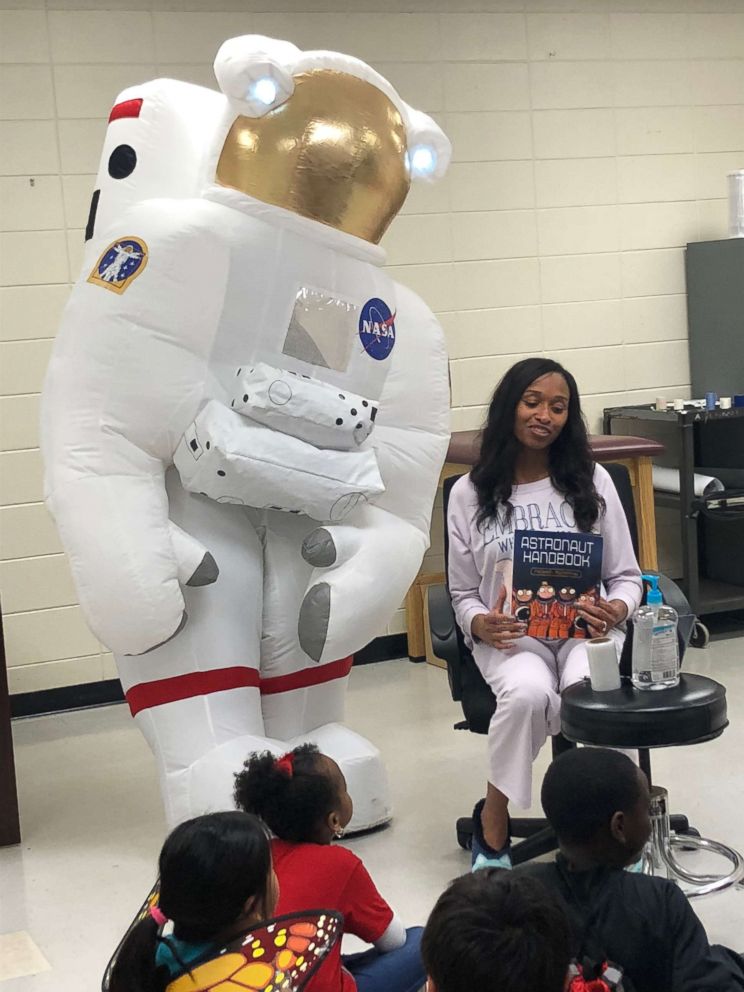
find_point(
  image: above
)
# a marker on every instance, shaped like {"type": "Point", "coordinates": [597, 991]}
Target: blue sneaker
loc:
{"type": "Point", "coordinates": [484, 856]}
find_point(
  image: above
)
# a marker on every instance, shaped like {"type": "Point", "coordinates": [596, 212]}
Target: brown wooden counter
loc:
{"type": "Point", "coordinates": [633, 452]}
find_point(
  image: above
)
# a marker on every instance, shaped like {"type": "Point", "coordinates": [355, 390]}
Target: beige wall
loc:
{"type": "Point", "coordinates": [592, 140]}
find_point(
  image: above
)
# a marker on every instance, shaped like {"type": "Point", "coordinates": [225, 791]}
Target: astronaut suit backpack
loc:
{"type": "Point", "coordinates": [244, 417]}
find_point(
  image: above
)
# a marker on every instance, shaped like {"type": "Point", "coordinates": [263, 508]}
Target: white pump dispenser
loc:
{"type": "Point", "coordinates": [655, 645]}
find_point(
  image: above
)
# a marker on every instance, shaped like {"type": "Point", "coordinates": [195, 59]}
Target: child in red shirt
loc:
{"type": "Point", "coordinates": [302, 798]}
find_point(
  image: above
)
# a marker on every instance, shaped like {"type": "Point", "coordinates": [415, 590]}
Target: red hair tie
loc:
{"type": "Point", "coordinates": [285, 764]}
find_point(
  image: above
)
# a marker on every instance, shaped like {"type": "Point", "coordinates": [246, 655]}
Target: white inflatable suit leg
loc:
{"type": "Point", "coordinates": [303, 701]}
{"type": "Point", "coordinates": [197, 698]}
{"type": "Point", "coordinates": [309, 697]}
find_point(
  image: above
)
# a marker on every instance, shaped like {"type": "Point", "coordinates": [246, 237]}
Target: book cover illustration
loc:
{"type": "Point", "coordinates": [554, 574]}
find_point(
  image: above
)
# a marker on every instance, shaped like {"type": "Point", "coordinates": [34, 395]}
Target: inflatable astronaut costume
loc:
{"type": "Point", "coordinates": [244, 418]}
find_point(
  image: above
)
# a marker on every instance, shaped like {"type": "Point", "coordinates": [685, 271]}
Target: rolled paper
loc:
{"type": "Point", "coordinates": [725, 403]}
{"type": "Point", "coordinates": [604, 670]}
{"type": "Point", "coordinates": [661, 403]}
{"type": "Point", "coordinates": [667, 479]}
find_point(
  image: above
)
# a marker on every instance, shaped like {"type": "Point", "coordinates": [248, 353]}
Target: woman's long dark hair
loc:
{"type": "Point", "coordinates": [570, 461]}
{"type": "Point", "coordinates": [209, 868]}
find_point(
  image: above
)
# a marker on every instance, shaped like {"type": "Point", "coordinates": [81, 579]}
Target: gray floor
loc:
{"type": "Point", "coordinates": [92, 823]}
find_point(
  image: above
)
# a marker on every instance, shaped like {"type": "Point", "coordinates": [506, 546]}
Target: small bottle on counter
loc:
{"type": "Point", "coordinates": [655, 645]}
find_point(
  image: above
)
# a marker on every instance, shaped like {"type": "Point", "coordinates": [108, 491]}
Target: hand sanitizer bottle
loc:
{"type": "Point", "coordinates": [655, 645]}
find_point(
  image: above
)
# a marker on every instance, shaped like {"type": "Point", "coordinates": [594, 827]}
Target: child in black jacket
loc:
{"type": "Point", "coordinates": [597, 801]}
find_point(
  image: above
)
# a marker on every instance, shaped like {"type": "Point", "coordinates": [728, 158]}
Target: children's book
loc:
{"type": "Point", "coordinates": [555, 573]}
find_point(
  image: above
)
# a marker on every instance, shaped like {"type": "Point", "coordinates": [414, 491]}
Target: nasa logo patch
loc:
{"type": "Point", "coordinates": [377, 329]}
{"type": "Point", "coordinates": [120, 264]}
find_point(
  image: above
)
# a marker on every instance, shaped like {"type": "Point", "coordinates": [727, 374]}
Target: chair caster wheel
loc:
{"type": "Point", "coordinates": [464, 827]}
{"type": "Point", "coordinates": [679, 823]}
{"type": "Point", "coordinates": [700, 635]}
{"type": "Point", "coordinates": [690, 832]}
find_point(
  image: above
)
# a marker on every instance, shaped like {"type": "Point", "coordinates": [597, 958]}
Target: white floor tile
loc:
{"type": "Point", "coordinates": [92, 822]}
{"type": "Point", "coordinates": [20, 957]}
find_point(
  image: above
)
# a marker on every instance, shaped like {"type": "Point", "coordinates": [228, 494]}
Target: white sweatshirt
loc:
{"type": "Point", "coordinates": [480, 559]}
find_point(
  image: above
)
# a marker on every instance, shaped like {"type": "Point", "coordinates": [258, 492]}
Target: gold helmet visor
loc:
{"type": "Point", "coordinates": [334, 152]}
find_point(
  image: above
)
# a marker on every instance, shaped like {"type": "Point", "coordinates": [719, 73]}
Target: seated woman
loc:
{"type": "Point", "coordinates": [302, 798]}
{"type": "Point", "coordinates": [535, 472]}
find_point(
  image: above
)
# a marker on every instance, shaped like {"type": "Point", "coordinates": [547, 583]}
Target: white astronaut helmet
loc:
{"type": "Point", "coordinates": [321, 134]}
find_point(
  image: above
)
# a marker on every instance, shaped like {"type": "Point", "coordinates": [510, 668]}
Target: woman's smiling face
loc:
{"type": "Point", "coordinates": [542, 411]}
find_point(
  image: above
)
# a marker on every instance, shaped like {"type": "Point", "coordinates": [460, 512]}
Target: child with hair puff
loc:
{"type": "Point", "coordinates": [302, 798]}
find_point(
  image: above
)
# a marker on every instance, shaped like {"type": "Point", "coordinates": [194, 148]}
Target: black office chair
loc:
{"type": "Point", "coordinates": [469, 688]}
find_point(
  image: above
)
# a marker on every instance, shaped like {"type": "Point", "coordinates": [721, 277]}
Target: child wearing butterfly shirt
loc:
{"type": "Point", "coordinates": [216, 885]}
{"type": "Point", "coordinates": [302, 798]}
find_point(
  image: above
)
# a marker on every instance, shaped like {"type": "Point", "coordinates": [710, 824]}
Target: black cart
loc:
{"type": "Point", "coordinates": [693, 438]}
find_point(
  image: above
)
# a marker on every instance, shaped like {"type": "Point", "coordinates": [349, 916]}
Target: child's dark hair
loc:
{"type": "Point", "coordinates": [293, 796]}
{"type": "Point", "coordinates": [209, 868]}
{"type": "Point", "coordinates": [497, 931]}
{"type": "Point", "coordinates": [582, 789]}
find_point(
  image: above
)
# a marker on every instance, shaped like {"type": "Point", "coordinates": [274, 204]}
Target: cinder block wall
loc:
{"type": "Point", "coordinates": [592, 140]}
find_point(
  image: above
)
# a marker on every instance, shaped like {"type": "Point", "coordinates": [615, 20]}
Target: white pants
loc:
{"type": "Point", "coordinates": [527, 682]}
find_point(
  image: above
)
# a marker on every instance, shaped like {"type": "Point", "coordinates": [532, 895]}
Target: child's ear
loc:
{"type": "Point", "coordinates": [617, 827]}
